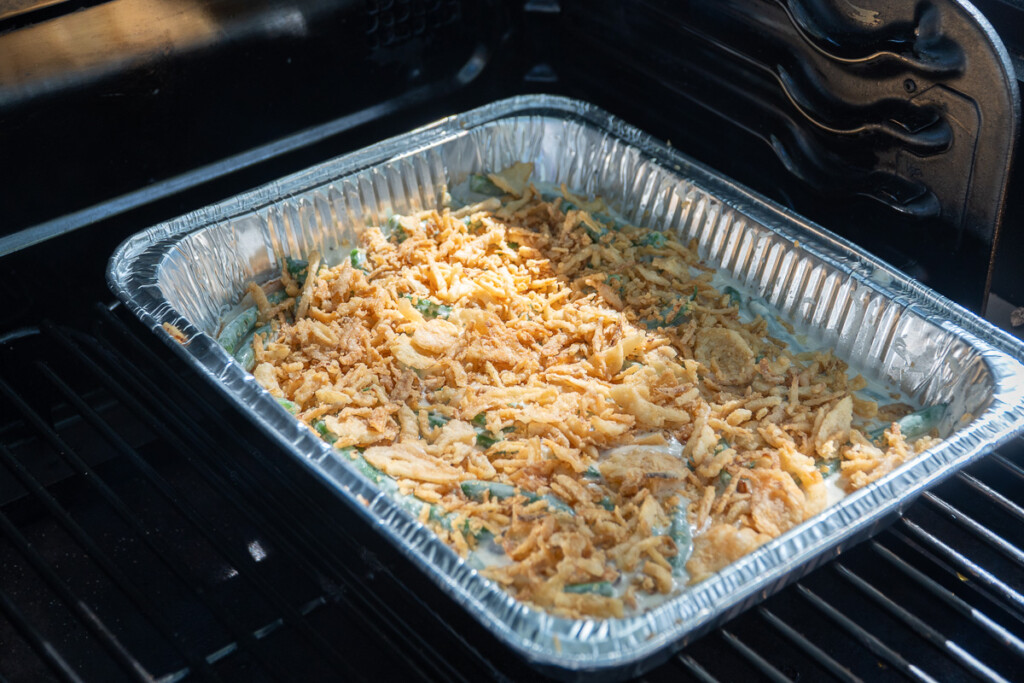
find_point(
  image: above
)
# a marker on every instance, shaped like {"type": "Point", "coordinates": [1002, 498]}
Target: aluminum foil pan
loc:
{"type": "Point", "coordinates": [189, 271]}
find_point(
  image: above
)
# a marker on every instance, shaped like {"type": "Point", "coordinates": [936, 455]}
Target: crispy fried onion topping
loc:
{"type": "Point", "coordinates": [558, 386]}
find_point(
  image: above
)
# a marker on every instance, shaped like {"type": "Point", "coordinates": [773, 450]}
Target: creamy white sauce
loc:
{"type": "Point", "coordinates": [833, 492]}
{"type": "Point", "coordinates": [488, 554]}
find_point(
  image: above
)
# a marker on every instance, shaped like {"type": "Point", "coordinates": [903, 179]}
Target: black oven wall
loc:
{"type": "Point", "coordinates": [100, 100]}
{"type": "Point", "coordinates": [895, 127]}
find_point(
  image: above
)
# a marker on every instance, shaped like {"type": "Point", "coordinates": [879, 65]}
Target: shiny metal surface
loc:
{"type": "Point", "coordinates": [12, 8]}
{"type": "Point", "coordinates": [189, 271]}
{"type": "Point", "coordinates": [107, 38]}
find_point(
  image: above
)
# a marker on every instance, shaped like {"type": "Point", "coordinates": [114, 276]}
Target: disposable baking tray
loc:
{"type": "Point", "coordinates": [189, 271]}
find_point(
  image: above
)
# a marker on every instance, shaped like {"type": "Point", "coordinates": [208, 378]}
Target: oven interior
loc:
{"type": "Point", "coordinates": [147, 531]}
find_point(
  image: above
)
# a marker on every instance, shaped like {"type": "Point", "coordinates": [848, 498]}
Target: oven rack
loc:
{"type": "Point", "coordinates": [149, 533]}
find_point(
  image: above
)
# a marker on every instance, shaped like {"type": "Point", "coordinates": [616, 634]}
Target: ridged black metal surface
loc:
{"type": "Point", "coordinates": [868, 117]}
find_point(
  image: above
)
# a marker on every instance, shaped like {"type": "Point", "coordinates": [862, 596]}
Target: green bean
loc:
{"type": "Point", "coordinates": [723, 482]}
{"type": "Point", "coordinates": [598, 217]}
{"type": "Point", "coordinates": [296, 268]}
{"type": "Point", "coordinates": [357, 257]}
{"type": "Point", "coordinates": [916, 424]}
{"type": "Point", "coordinates": [393, 228]}
{"type": "Point", "coordinates": [679, 531]}
{"type": "Point", "coordinates": [595, 587]}
{"type": "Point", "coordinates": [321, 428]}
{"type": "Point", "coordinates": [481, 184]}
{"type": "Point", "coordinates": [830, 467]}
{"type": "Point", "coordinates": [410, 503]}
{"type": "Point", "coordinates": [735, 298]}
{"type": "Point", "coordinates": [653, 239]}
{"type": "Point", "coordinates": [435, 419]}
{"type": "Point", "coordinates": [595, 234]}
{"type": "Point", "coordinates": [245, 353]}
{"type": "Point", "coordinates": [239, 331]}
{"type": "Point", "coordinates": [476, 489]}
{"type": "Point", "coordinates": [681, 316]}
{"type": "Point", "coordinates": [484, 437]}
{"type": "Point", "coordinates": [592, 473]}
{"type": "Point", "coordinates": [447, 521]}
{"type": "Point", "coordinates": [556, 504]}
{"type": "Point", "coordinates": [607, 220]}
{"type": "Point", "coordinates": [289, 406]}
{"type": "Point", "coordinates": [364, 467]}
{"type": "Point", "coordinates": [669, 316]}
{"type": "Point", "coordinates": [437, 514]}
{"type": "Point", "coordinates": [246, 357]}
{"type": "Point", "coordinates": [428, 308]}
{"type": "Point", "coordinates": [234, 332]}
{"type": "Point", "coordinates": [386, 483]}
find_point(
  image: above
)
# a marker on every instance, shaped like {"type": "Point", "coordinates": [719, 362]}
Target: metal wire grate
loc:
{"type": "Point", "coordinates": [208, 502]}
{"type": "Point", "coordinates": [147, 533]}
